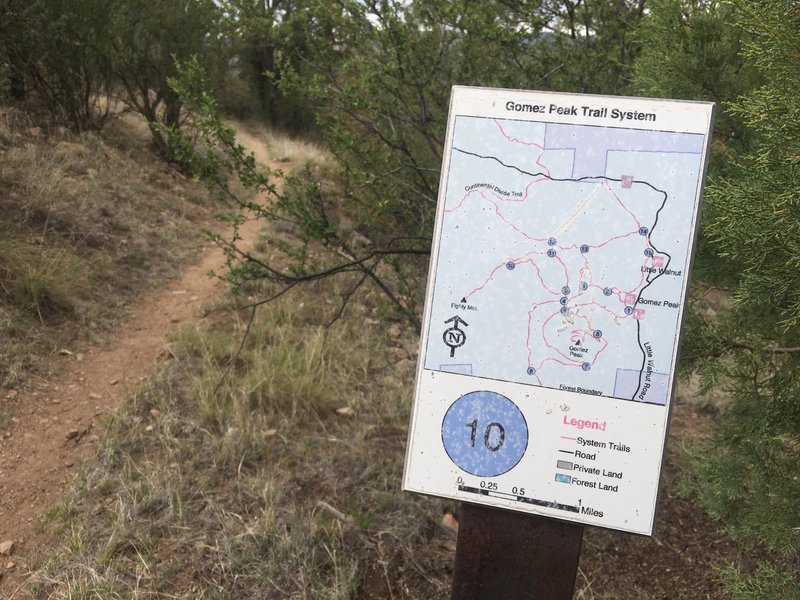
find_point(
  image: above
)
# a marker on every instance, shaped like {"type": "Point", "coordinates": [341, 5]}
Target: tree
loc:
{"type": "Point", "coordinates": [691, 49]}
{"type": "Point", "coordinates": [378, 75]}
{"type": "Point", "coordinates": [747, 472]}
{"type": "Point", "coordinates": [56, 47]}
{"type": "Point", "coordinates": [147, 38]}
{"type": "Point", "coordinates": [259, 32]}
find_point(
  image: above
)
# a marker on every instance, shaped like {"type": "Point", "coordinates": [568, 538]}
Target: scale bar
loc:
{"type": "Point", "coordinates": [523, 499]}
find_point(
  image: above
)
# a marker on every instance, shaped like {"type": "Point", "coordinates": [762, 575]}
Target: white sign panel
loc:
{"type": "Point", "coordinates": [557, 286]}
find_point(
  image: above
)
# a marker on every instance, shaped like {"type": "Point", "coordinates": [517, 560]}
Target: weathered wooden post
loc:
{"type": "Point", "coordinates": [558, 278]}
{"type": "Point", "coordinates": [504, 554]}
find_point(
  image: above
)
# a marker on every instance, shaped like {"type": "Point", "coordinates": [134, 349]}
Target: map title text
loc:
{"type": "Point", "coordinates": [593, 112]}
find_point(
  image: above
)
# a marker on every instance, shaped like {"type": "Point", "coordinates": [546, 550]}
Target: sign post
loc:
{"type": "Point", "coordinates": [504, 554]}
{"type": "Point", "coordinates": [558, 280]}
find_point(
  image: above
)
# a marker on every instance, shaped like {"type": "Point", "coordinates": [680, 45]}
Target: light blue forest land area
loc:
{"type": "Point", "coordinates": [563, 253]}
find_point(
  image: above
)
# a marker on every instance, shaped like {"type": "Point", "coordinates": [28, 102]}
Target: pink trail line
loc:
{"type": "Point", "coordinates": [496, 211]}
{"type": "Point", "coordinates": [516, 261]}
{"type": "Point", "coordinates": [641, 281]}
{"type": "Point", "coordinates": [555, 360]}
{"type": "Point", "coordinates": [539, 273]}
{"type": "Point", "coordinates": [599, 352]}
{"type": "Point", "coordinates": [548, 344]}
{"type": "Point", "coordinates": [519, 141]}
{"type": "Point", "coordinates": [464, 198]}
{"type": "Point", "coordinates": [625, 208]}
{"type": "Point", "coordinates": [488, 279]}
{"type": "Point", "coordinates": [566, 271]}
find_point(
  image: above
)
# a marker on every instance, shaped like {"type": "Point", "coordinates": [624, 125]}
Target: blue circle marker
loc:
{"type": "Point", "coordinates": [551, 241]}
{"type": "Point", "coordinates": [597, 334]}
{"type": "Point", "coordinates": [607, 291]}
{"type": "Point", "coordinates": [563, 300]}
{"type": "Point", "coordinates": [586, 366]}
{"type": "Point", "coordinates": [648, 252]}
{"type": "Point", "coordinates": [564, 310]}
{"type": "Point", "coordinates": [584, 249]}
{"type": "Point", "coordinates": [484, 433]}
{"type": "Point", "coordinates": [511, 265]}
{"type": "Point", "coordinates": [551, 253]}
{"type": "Point", "coordinates": [565, 290]}
{"type": "Point", "coordinates": [531, 371]}
{"type": "Point", "coordinates": [628, 310]}
{"type": "Point", "coordinates": [643, 230]}
{"type": "Point", "coordinates": [584, 286]}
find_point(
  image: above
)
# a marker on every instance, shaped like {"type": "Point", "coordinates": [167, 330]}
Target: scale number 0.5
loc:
{"type": "Point", "coordinates": [484, 433]}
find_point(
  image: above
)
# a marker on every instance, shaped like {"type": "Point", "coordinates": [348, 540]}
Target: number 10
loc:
{"type": "Point", "coordinates": [501, 437]}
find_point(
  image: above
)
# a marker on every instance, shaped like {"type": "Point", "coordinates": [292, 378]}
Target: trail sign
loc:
{"type": "Point", "coordinates": [557, 287]}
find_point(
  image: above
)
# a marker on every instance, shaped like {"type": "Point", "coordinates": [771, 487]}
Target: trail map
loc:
{"type": "Point", "coordinates": [559, 271]}
{"type": "Point", "coordinates": [562, 254]}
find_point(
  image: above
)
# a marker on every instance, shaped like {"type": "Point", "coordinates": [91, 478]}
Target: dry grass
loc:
{"type": "Point", "coordinates": [88, 222]}
{"type": "Point", "coordinates": [282, 482]}
{"type": "Point", "coordinates": [282, 148]}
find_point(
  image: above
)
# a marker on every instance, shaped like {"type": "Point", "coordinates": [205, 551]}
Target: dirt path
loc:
{"type": "Point", "coordinates": [57, 422]}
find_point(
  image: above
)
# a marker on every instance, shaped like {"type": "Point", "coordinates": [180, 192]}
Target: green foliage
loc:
{"type": "Point", "coordinates": [692, 50]}
{"type": "Point", "coordinates": [754, 212]}
{"type": "Point", "coordinates": [320, 242]}
{"type": "Point", "coordinates": [149, 37]}
{"type": "Point", "coordinates": [260, 31]}
{"type": "Point", "coordinates": [767, 582]}
{"type": "Point", "coordinates": [82, 57]}
{"type": "Point", "coordinates": [746, 474]}
{"type": "Point", "coordinates": [55, 45]}
{"type": "Point", "coordinates": [378, 76]}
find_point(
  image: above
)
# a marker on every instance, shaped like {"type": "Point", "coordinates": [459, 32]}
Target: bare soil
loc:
{"type": "Point", "coordinates": [52, 424]}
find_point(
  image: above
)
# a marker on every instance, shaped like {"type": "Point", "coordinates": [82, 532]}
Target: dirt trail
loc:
{"type": "Point", "coordinates": [57, 422]}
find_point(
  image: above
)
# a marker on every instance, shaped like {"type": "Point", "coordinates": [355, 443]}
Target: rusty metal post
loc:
{"type": "Point", "coordinates": [514, 556]}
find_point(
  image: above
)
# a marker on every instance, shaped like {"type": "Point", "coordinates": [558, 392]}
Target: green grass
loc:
{"type": "Point", "coordinates": [258, 487]}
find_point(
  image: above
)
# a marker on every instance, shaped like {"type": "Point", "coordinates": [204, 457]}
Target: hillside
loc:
{"type": "Point", "coordinates": [134, 465]}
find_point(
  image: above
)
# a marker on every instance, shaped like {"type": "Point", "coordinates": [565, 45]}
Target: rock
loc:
{"type": "Point", "coordinates": [94, 396]}
{"type": "Point", "coordinates": [345, 411]}
{"type": "Point", "coordinates": [73, 433]}
{"type": "Point", "coordinates": [6, 548]}
{"type": "Point", "coordinates": [12, 394]}
{"type": "Point", "coordinates": [449, 522]}
{"type": "Point", "coordinates": [10, 565]}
